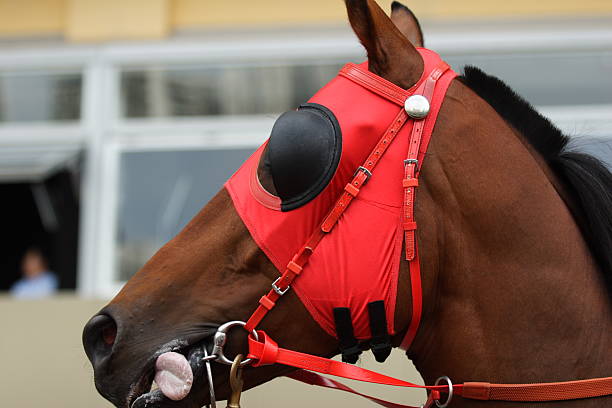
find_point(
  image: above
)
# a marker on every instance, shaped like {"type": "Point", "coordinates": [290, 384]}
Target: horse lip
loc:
{"type": "Point", "coordinates": [139, 388]}
{"type": "Point", "coordinates": [149, 399]}
{"type": "Point", "coordinates": [140, 399]}
{"type": "Point", "coordinates": [196, 338]}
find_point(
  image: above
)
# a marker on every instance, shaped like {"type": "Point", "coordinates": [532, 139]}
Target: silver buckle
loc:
{"type": "Point", "coordinates": [278, 290]}
{"type": "Point", "coordinates": [412, 161]}
{"type": "Point", "coordinates": [365, 171]}
{"type": "Point", "coordinates": [450, 392]}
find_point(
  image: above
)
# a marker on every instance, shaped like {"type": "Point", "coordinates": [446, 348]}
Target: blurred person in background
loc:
{"type": "Point", "coordinates": [37, 280]}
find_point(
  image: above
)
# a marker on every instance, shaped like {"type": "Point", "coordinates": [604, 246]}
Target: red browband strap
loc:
{"type": "Point", "coordinates": [264, 352]}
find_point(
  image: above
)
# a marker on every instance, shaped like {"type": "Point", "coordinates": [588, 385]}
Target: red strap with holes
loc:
{"type": "Point", "coordinates": [411, 164]}
{"type": "Point", "coordinates": [419, 142]}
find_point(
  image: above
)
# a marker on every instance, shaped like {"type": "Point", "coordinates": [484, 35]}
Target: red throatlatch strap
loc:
{"type": "Point", "coordinates": [416, 144]}
{"type": "Point", "coordinates": [417, 302]}
{"type": "Point", "coordinates": [411, 163]}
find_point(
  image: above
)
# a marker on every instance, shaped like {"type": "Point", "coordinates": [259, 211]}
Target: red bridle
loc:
{"type": "Point", "coordinates": [264, 351]}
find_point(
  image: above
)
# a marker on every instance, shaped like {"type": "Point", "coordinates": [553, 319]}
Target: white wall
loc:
{"type": "Point", "coordinates": [42, 364]}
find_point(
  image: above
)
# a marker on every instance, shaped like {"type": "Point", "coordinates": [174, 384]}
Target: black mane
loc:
{"type": "Point", "coordinates": [587, 181]}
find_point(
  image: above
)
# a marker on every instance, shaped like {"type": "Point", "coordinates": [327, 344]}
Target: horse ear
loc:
{"type": "Point", "coordinates": [390, 54]}
{"type": "Point", "coordinates": [405, 20]}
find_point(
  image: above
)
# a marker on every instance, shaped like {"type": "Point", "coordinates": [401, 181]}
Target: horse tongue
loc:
{"type": "Point", "coordinates": [173, 375]}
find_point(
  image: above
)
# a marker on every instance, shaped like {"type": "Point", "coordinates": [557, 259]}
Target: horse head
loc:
{"type": "Point", "coordinates": [473, 205]}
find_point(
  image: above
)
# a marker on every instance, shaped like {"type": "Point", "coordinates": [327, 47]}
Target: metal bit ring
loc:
{"type": "Point", "coordinates": [450, 391]}
{"type": "Point", "coordinates": [221, 338]}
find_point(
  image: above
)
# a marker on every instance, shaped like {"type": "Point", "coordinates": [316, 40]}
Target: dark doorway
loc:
{"type": "Point", "coordinates": [44, 215]}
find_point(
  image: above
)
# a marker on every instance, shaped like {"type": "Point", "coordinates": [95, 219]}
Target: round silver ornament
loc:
{"type": "Point", "coordinates": [417, 106]}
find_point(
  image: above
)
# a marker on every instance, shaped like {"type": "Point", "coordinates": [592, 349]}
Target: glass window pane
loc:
{"type": "Point", "coordinates": [220, 90]}
{"type": "Point", "coordinates": [159, 192]}
{"type": "Point", "coordinates": [36, 96]}
{"type": "Point", "coordinates": [548, 78]}
{"type": "Point", "coordinates": [174, 91]}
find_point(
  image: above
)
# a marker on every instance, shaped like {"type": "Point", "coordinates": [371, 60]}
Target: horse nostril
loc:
{"type": "Point", "coordinates": [99, 336]}
{"type": "Point", "coordinates": [109, 334]}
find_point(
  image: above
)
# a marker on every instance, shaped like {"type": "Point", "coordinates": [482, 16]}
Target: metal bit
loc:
{"type": "Point", "coordinates": [211, 385]}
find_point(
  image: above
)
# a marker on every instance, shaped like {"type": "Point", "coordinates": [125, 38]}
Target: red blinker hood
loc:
{"type": "Point", "coordinates": [358, 261]}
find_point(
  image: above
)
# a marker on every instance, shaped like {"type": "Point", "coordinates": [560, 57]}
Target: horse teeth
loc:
{"type": "Point", "coordinates": [154, 386]}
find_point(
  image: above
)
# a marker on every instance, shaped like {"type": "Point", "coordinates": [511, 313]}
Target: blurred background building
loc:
{"type": "Point", "coordinates": [120, 119]}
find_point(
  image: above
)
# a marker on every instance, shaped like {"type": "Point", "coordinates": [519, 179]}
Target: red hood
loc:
{"type": "Point", "coordinates": [358, 261]}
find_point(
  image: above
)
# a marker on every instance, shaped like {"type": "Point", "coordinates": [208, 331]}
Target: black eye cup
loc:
{"type": "Point", "coordinates": [302, 154]}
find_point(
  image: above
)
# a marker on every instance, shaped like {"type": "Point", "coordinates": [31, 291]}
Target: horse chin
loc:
{"type": "Point", "coordinates": [144, 394]}
{"type": "Point", "coordinates": [155, 399]}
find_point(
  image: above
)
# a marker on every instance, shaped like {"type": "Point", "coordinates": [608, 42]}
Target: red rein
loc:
{"type": "Point", "coordinates": [267, 352]}
{"type": "Point", "coordinates": [433, 86]}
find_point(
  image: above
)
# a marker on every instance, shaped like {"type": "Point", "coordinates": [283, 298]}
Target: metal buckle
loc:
{"type": "Point", "coordinates": [221, 338]}
{"type": "Point", "coordinates": [450, 392]}
{"type": "Point", "coordinates": [412, 161]}
{"type": "Point", "coordinates": [365, 171]}
{"type": "Point", "coordinates": [278, 290]}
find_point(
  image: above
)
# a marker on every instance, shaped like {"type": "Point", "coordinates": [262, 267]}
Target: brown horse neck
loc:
{"type": "Point", "coordinates": [511, 293]}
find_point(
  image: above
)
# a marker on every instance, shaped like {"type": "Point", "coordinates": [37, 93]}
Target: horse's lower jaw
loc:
{"type": "Point", "coordinates": [143, 396]}
{"type": "Point", "coordinates": [151, 399]}
{"type": "Point", "coordinates": [156, 399]}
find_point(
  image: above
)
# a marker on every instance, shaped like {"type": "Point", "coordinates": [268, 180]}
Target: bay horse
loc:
{"type": "Point", "coordinates": [514, 235]}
